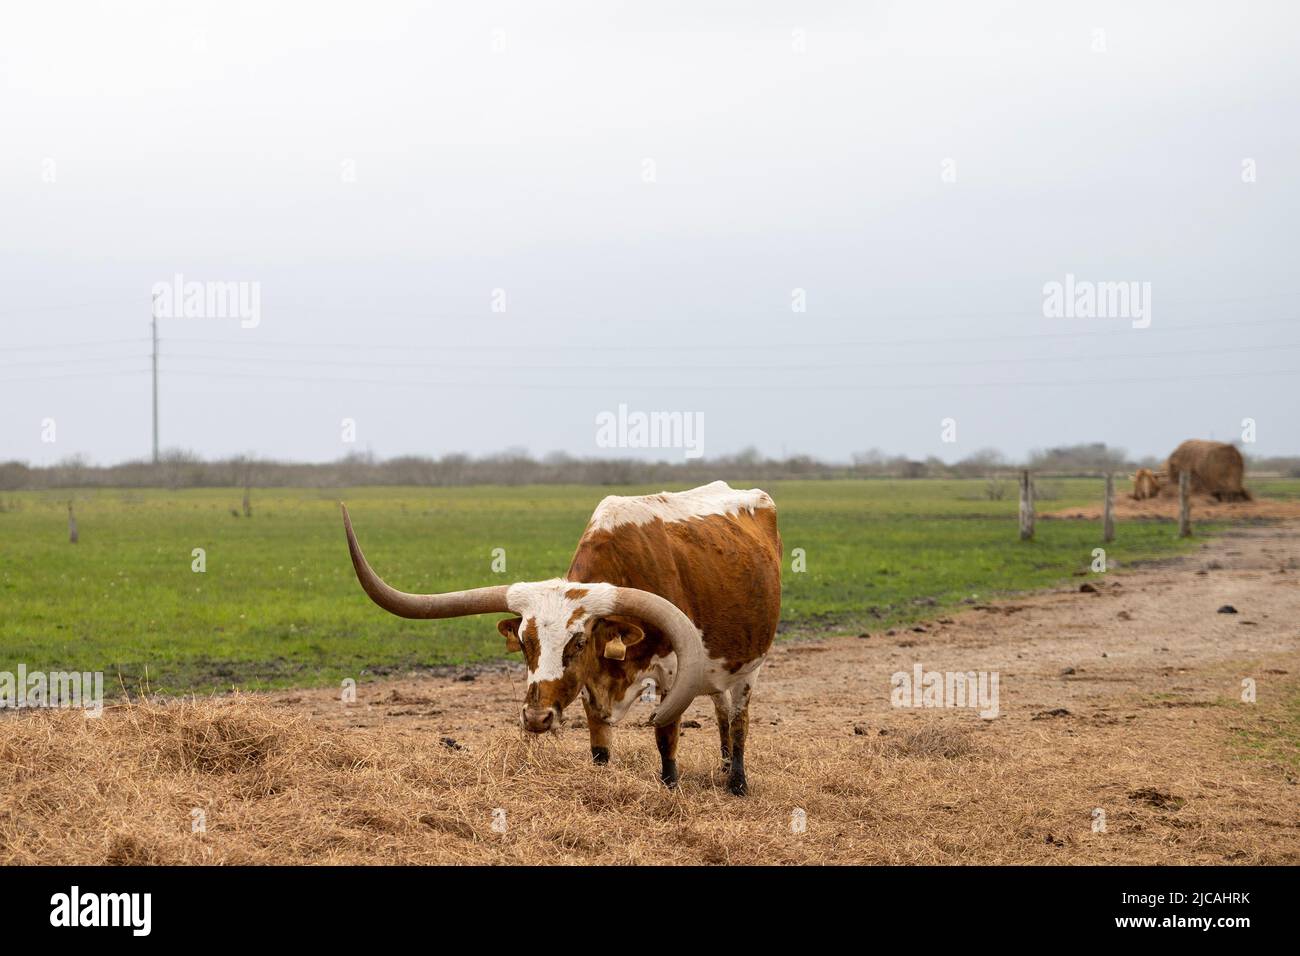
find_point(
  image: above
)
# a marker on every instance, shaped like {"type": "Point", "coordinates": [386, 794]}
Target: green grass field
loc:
{"type": "Point", "coordinates": [278, 604]}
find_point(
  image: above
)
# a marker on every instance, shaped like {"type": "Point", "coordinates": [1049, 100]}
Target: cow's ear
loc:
{"type": "Point", "coordinates": [509, 629]}
{"type": "Point", "coordinates": [619, 633]}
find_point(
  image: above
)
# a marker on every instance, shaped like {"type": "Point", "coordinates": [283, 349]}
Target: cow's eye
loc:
{"type": "Point", "coordinates": [574, 647]}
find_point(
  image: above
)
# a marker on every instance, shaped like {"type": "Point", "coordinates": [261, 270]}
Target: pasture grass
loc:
{"type": "Point", "coordinates": [278, 604]}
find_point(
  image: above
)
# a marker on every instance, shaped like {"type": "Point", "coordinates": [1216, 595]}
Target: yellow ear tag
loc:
{"type": "Point", "coordinates": [615, 650]}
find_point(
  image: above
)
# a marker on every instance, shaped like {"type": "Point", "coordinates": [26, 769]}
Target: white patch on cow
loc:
{"type": "Point", "coordinates": [717, 498]}
{"type": "Point", "coordinates": [662, 670]}
{"type": "Point", "coordinates": [546, 604]}
{"type": "Point", "coordinates": [719, 679]}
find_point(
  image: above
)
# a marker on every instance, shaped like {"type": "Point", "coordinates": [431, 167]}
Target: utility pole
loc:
{"type": "Point", "coordinates": [1108, 511]}
{"type": "Point", "coordinates": [155, 377]}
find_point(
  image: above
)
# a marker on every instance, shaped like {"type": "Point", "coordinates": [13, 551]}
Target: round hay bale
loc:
{"type": "Point", "coordinates": [1216, 468]}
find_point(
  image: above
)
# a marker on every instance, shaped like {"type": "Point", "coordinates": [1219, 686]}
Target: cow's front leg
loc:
{"type": "Point", "coordinates": [666, 738]}
{"type": "Point", "coordinates": [602, 733]}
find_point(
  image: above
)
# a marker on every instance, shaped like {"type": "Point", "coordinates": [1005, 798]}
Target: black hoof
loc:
{"type": "Point", "coordinates": [600, 755]}
{"type": "Point", "coordinates": [669, 775]}
{"type": "Point", "coordinates": [739, 786]}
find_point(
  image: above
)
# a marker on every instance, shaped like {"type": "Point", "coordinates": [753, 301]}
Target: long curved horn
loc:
{"type": "Point", "coordinates": [451, 604]}
{"type": "Point", "coordinates": [682, 634]}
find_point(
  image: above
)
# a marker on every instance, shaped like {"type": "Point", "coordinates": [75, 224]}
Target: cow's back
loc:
{"type": "Point", "coordinates": [714, 552]}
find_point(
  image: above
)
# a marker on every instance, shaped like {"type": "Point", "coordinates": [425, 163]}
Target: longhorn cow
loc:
{"type": "Point", "coordinates": [683, 589]}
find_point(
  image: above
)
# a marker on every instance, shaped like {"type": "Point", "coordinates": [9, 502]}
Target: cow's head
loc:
{"type": "Point", "coordinates": [1146, 484]}
{"type": "Point", "coordinates": [554, 631]}
{"type": "Point", "coordinates": [566, 630]}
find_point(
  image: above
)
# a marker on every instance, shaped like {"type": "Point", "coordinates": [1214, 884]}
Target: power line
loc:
{"type": "Point", "coordinates": [363, 308]}
{"type": "Point", "coordinates": [362, 364]}
{"type": "Point", "coordinates": [70, 345]}
{"type": "Point", "coordinates": [72, 361]}
{"type": "Point", "coordinates": [694, 386]}
{"type": "Point", "coordinates": [507, 384]}
{"type": "Point", "coordinates": [570, 346]}
{"type": "Point", "coordinates": [271, 375]}
{"type": "Point", "coordinates": [105, 373]}
{"type": "Point", "coordinates": [64, 307]}
{"type": "Point", "coordinates": [1017, 360]}
{"type": "Point", "coordinates": [651, 346]}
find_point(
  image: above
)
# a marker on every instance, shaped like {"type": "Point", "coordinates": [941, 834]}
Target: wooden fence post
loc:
{"type": "Point", "coordinates": [1026, 507]}
{"type": "Point", "coordinates": [1108, 513]}
{"type": "Point", "coordinates": [72, 525]}
{"type": "Point", "coordinates": [1184, 504]}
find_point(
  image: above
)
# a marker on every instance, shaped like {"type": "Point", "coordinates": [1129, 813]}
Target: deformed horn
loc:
{"type": "Point", "coordinates": [450, 604]}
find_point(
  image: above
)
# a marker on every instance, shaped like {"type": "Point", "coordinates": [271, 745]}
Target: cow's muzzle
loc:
{"type": "Point", "coordinates": [539, 720]}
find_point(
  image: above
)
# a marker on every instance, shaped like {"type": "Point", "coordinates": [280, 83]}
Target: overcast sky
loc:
{"type": "Point", "coordinates": [647, 187]}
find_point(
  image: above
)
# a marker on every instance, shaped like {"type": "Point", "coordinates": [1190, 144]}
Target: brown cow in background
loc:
{"type": "Point", "coordinates": [1146, 484]}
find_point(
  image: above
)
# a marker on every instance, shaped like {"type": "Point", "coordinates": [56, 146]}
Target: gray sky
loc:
{"type": "Point", "coordinates": [920, 170]}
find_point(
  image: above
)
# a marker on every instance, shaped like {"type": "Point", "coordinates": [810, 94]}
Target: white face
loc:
{"type": "Point", "coordinates": [555, 617]}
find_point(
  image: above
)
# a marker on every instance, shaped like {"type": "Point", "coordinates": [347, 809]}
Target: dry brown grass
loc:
{"type": "Point", "coordinates": [280, 787]}
{"type": "Point", "coordinates": [1165, 506]}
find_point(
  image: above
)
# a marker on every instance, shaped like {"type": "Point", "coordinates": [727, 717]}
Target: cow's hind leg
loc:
{"type": "Point", "coordinates": [666, 738]}
{"type": "Point", "coordinates": [602, 734]}
{"type": "Point", "coordinates": [722, 709]}
{"type": "Point", "coordinates": [740, 693]}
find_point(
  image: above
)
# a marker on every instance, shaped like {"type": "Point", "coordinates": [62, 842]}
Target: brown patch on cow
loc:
{"type": "Point", "coordinates": [579, 612]}
{"type": "Point", "coordinates": [723, 571]}
{"type": "Point", "coordinates": [559, 693]}
{"type": "Point", "coordinates": [574, 594]}
{"type": "Point", "coordinates": [607, 680]}
{"type": "Point", "coordinates": [532, 646]}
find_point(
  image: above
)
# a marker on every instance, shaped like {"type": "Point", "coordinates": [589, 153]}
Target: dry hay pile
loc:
{"type": "Point", "coordinates": [276, 787]}
{"type": "Point", "coordinates": [1216, 468]}
{"type": "Point", "coordinates": [1204, 508]}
